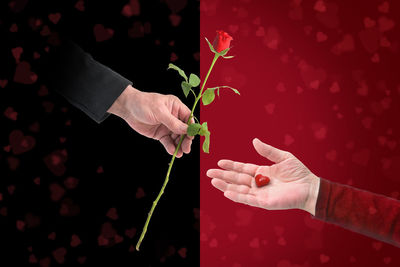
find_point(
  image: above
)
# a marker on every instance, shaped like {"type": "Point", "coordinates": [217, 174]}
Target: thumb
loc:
{"type": "Point", "coordinates": [270, 152]}
{"type": "Point", "coordinates": [173, 124]}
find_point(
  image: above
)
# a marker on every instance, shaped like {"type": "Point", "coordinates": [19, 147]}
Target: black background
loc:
{"type": "Point", "coordinates": [129, 161]}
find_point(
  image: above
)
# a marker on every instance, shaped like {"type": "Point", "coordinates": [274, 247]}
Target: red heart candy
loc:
{"type": "Point", "coordinates": [261, 180]}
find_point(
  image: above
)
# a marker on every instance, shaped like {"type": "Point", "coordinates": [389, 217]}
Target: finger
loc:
{"type": "Point", "coordinates": [186, 144]}
{"type": "Point", "coordinates": [186, 136]}
{"type": "Point", "coordinates": [241, 198]}
{"type": "Point", "coordinates": [176, 142]}
{"type": "Point", "coordinates": [168, 144]}
{"type": "Point", "coordinates": [270, 152]}
{"type": "Point", "coordinates": [224, 186]}
{"type": "Point", "coordinates": [247, 168]}
{"type": "Point", "coordinates": [174, 136]}
{"type": "Point", "coordinates": [180, 153]}
{"type": "Point", "coordinates": [172, 123]}
{"type": "Point", "coordinates": [183, 111]}
{"type": "Point", "coordinates": [176, 139]}
{"type": "Point", "coordinates": [230, 176]}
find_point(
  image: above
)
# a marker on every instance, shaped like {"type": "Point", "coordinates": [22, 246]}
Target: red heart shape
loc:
{"type": "Point", "coordinates": [80, 5]}
{"type": "Point", "coordinates": [57, 192]}
{"type": "Point", "coordinates": [11, 113]}
{"type": "Point", "coordinates": [127, 11]}
{"type": "Point", "coordinates": [176, 5]}
{"type": "Point", "coordinates": [312, 77]}
{"type": "Point", "coordinates": [175, 19]}
{"type": "Point", "coordinates": [75, 241]}
{"type": "Point", "coordinates": [68, 208]}
{"type": "Point", "coordinates": [130, 232]}
{"type": "Point", "coordinates": [182, 252]}
{"type": "Point", "coordinates": [54, 17]}
{"type": "Point", "coordinates": [23, 74]}
{"type": "Point", "coordinates": [101, 33]}
{"type": "Point", "coordinates": [369, 23]}
{"type": "Point", "coordinates": [20, 143]}
{"type": "Point", "coordinates": [59, 255]}
{"type": "Point", "coordinates": [133, 8]}
{"type": "Point", "coordinates": [112, 214]}
{"type": "Point", "coordinates": [261, 180]}
{"type": "Point", "coordinates": [320, 6]}
{"type": "Point", "coordinates": [55, 162]}
{"type": "Point", "coordinates": [384, 7]}
{"type": "Point", "coordinates": [324, 258]}
{"type": "Point", "coordinates": [3, 83]}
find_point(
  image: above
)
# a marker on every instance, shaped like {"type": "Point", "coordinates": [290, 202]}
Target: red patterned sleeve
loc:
{"type": "Point", "coordinates": [373, 215]}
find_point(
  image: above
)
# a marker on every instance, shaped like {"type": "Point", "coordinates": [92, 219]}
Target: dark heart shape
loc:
{"type": "Point", "coordinates": [21, 143]}
{"type": "Point", "coordinates": [23, 74]}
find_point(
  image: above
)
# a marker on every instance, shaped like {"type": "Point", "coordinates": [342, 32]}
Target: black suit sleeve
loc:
{"type": "Point", "coordinates": [84, 82]}
{"type": "Point", "coordinates": [66, 67]}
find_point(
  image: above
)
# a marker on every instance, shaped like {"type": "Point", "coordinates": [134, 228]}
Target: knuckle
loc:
{"type": "Point", "coordinates": [173, 98]}
{"type": "Point", "coordinates": [289, 155]}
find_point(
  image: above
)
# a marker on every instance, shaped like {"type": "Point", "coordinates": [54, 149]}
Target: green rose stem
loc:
{"type": "Point", "coordinates": [155, 202]}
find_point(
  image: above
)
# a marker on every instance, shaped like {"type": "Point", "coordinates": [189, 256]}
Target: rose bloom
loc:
{"type": "Point", "coordinates": [222, 41]}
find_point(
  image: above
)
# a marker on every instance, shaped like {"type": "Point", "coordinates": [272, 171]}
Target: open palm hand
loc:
{"type": "Point", "coordinates": [291, 186]}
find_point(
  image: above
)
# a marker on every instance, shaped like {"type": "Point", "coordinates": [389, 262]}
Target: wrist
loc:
{"type": "Point", "coordinates": [120, 107]}
{"type": "Point", "coordinates": [313, 190]}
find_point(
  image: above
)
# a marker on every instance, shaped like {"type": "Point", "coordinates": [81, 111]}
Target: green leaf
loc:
{"type": "Point", "coordinates": [193, 129]}
{"type": "Point", "coordinates": [211, 47]}
{"type": "Point", "coordinates": [233, 89]}
{"type": "Point", "coordinates": [196, 118]}
{"type": "Point", "coordinates": [228, 57]}
{"type": "Point", "coordinates": [206, 133]}
{"type": "Point", "coordinates": [204, 129]}
{"type": "Point", "coordinates": [224, 52]}
{"type": "Point", "coordinates": [224, 86]}
{"type": "Point", "coordinates": [194, 80]}
{"type": "Point", "coordinates": [206, 143]}
{"type": "Point", "coordinates": [208, 96]}
{"type": "Point", "coordinates": [186, 87]}
{"type": "Point", "coordinates": [179, 70]}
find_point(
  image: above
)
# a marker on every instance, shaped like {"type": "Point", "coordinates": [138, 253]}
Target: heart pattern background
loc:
{"type": "Point", "coordinates": [320, 79]}
{"type": "Point", "coordinates": [74, 192]}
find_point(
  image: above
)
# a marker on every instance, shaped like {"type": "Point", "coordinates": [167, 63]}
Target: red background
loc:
{"type": "Point", "coordinates": [319, 79]}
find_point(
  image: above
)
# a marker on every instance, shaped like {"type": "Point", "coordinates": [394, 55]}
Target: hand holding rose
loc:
{"type": "Point", "coordinates": [157, 116]}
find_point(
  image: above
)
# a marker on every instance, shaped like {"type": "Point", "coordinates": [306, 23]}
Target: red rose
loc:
{"type": "Point", "coordinates": [222, 41]}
